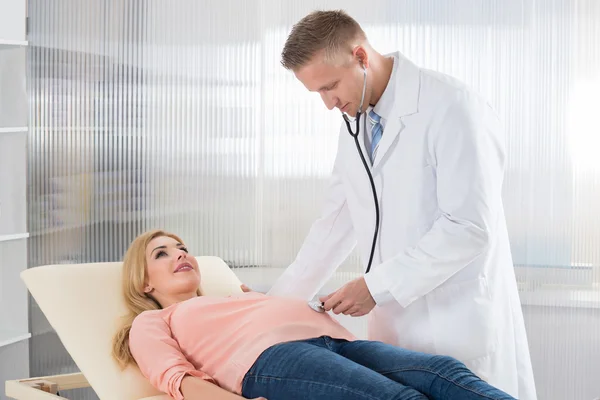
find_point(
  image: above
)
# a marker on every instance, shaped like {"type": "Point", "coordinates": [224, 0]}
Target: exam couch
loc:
{"type": "Point", "coordinates": [84, 305]}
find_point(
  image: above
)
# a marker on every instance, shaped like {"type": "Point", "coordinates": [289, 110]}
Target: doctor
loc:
{"type": "Point", "coordinates": [442, 278]}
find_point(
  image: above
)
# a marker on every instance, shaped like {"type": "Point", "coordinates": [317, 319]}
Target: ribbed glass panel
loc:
{"type": "Point", "coordinates": [178, 115]}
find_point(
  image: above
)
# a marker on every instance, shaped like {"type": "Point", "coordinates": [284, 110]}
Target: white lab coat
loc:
{"type": "Point", "coordinates": [442, 274]}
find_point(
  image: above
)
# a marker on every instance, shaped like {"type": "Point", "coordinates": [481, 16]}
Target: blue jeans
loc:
{"type": "Point", "coordinates": [332, 369]}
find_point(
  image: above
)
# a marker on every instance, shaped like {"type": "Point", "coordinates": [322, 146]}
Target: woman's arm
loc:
{"type": "Point", "coordinates": [198, 389]}
{"type": "Point", "coordinates": [161, 361]}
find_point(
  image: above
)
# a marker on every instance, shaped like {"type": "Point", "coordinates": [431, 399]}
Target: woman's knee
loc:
{"type": "Point", "coordinates": [448, 364]}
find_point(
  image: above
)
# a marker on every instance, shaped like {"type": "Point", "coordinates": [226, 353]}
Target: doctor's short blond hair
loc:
{"type": "Point", "coordinates": [328, 31]}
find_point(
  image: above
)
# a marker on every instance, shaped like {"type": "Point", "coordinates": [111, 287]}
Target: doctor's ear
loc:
{"type": "Point", "coordinates": [361, 54]}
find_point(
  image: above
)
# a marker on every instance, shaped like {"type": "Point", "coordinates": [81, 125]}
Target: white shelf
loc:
{"type": "Point", "coordinates": [16, 236]}
{"type": "Point", "coordinates": [10, 337]}
{"type": "Point", "coordinates": [11, 44]}
{"type": "Point", "coordinates": [16, 129]}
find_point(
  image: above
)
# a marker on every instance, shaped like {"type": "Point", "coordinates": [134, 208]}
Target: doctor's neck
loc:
{"type": "Point", "coordinates": [380, 69]}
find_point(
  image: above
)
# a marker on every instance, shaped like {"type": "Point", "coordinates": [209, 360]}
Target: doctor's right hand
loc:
{"type": "Point", "coordinates": [352, 299]}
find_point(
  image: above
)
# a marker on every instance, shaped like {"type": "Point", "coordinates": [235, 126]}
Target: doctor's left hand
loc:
{"type": "Point", "coordinates": [352, 299]}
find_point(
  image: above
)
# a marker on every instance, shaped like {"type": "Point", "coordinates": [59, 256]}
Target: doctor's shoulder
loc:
{"type": "Point", "coordinates": [443, 96]}
{"type": "Point", "coordinates": [440, 91]}
{"type": "Point", "coordinates": [453, 109]}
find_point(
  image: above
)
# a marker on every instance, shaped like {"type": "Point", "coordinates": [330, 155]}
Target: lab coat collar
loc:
{"type": "Point", "coordinates": [408, 85]}
{"type": "Point", "coordinates": [385, 105]}
{"type": "Point", "coordinates": [405, 102]}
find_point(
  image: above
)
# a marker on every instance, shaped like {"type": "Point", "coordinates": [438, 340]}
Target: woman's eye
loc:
{"type": "Point", "coordinates": [160, 254]}
{"type": "Point", "coordinates": [184, 249]}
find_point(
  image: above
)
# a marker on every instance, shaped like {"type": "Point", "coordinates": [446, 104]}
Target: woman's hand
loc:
{"type": "Point", "coordinates": [246, 289]}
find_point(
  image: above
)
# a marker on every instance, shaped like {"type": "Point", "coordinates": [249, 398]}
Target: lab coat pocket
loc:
{"type": "Point", "coordinates": [463, 320]}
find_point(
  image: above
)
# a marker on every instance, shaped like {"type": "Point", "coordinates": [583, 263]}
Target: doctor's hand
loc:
{"type": "Point", "coordinates": [352, 299]}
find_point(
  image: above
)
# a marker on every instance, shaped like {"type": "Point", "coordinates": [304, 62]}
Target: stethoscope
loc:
{"type": "Point", "coordinates": [362, 157]}
{"type": "Point", "coordinates": [317, 305]}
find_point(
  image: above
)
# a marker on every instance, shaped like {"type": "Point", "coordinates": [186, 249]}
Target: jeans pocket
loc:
{"type": "Point", "coordinates": [463, 320]}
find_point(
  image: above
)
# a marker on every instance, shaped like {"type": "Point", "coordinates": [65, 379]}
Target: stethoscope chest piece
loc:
{"type": "Point", "coordinates": [317, 306]}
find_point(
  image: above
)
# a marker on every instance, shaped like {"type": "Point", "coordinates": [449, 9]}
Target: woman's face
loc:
{"type": "Point", "coordinates": [173, 275]}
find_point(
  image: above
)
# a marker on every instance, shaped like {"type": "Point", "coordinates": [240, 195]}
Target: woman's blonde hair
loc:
{"type": "Point", "coordinates": [134, 279]}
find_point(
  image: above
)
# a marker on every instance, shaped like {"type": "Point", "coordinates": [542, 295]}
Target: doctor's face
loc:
{"type": "Point", "coordinates": [339, 83]}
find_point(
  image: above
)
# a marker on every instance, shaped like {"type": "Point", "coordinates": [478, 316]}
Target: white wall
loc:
{"type": "Point", "coordinates": [14, 364]}
{"type": "Point", "coordinates": [14, 332]}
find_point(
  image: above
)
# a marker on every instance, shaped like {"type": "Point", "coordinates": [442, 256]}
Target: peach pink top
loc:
{"type": "Point", "coordinates": [219, 338]}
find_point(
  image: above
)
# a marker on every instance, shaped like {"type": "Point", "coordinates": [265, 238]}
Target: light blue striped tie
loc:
{"type": "Point", "coordinates": [376, 132]}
